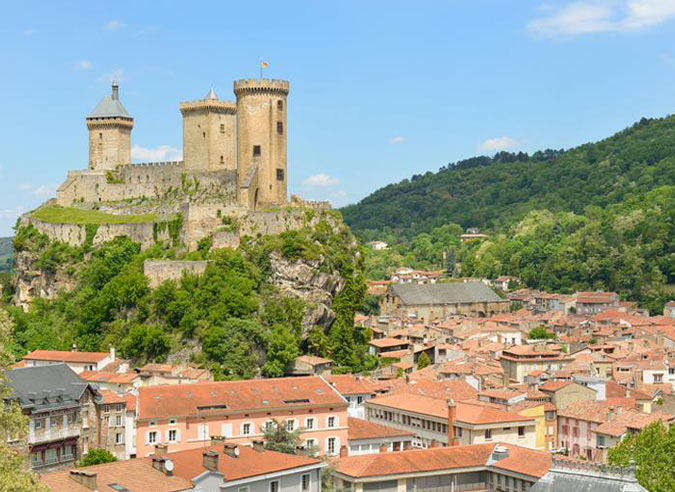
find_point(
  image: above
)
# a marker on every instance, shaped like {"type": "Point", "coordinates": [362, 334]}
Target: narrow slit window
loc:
{"type": "Point", "coordinates": [280, 127]}
{"type": "Point", "coordinates": [256, 151]}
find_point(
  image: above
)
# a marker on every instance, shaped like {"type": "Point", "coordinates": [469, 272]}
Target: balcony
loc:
{"type": "Point", "coordinates": [36, 436]}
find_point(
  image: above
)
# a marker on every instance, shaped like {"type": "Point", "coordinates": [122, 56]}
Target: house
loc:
{"type": "Point", "coordinates": [565, 475]}
{"type": "Point", "coordinates": [545, 415]}
{"type": "Point", "coordinates": [309, 365]}
{"type": "Point", "coordinates": [152, 374]}
{"type": "Point", "coordinates": [563, 393]}
{"type": "Point", "coordinates": [493, 466]}
{"type": "Point", "coordinates": [502, 283]}
{"type": "Point", "coordinates": [378, 245]}
{"type": "Point", "coordinates": [669, 309]}
{"type": "Point", "coordinates": [116, 422]}
{"type": "Point", "coordinates": [595, 302]}
{"type": "Point", "coordinates": [521, 360]}
{"type": "Point", "coordinates": [364, 437]}
{"type": "Point", "coordinates": [437, 421]}
{"type": "Point", "coordinates": [355, 389]}
{"type": "Point", "coordinates": [381, 346]}
{"type": "Point", "coordinates": [436, 301]}
{"type": "Point", "coordinates": [77, 361]}
{"type": "Point", "coordinates": [186, 416]}
{"type": "Point", "coordinates": [119, 382]}
{"type": "Point", "coordinates": [61, 410]}
{"type": "Point", "coordinates": [214, 468]}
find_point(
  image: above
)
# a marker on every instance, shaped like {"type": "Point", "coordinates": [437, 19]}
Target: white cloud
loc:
{"type": "Point", "coordinates": [321, 179]}
{"type": "Point", "coordinates": [12, 213]}
{"type": "Point", "coordinates": [396, 140]}
{"type": "Point", "coordinates": [83, 65]}
{"type": "Point", "coordinates": [114, 25]}
{"type": "Point", "coordinates": [497, 144]}
{"type": "Point", "coordinates": [588, 16]}
{"type": "Point", "coordinates": [339, 194]}
{"type": "Point", "coordinates": [39, 190]}
{"type": "Point", "coordinates": [156, 154]}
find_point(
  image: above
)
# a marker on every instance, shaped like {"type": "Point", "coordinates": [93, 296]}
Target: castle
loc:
{"type": "Point", "coordinates": [234, 150]}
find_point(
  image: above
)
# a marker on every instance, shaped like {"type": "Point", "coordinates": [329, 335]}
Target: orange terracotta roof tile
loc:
{"type": "Point", "coordinates": [109, 377]}
{"type": "Point", "coordinates": [520, 460]}
{"type": "Point", "coordinates": [235, 396]}
{"type": "Point", "coordinates": [66, 356]}
{"type": "Point", "coordinates": [249, 463]}
{"type": "Point", "coordinates": [350, 384]}
{"type": "Point", "coordinates": [112, 397]}
{"type": "Point", "coordinates": [363, 429]}
{"type": "Point", "coordinates": [137, 475]}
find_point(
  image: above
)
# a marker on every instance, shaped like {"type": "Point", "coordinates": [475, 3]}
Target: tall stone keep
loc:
{"type": "Point", "coordinates": [209, 132]}
{"type": "Point", "coordinates": [261, 141]}
{"type": "Point", "coordinates": [109, 133]}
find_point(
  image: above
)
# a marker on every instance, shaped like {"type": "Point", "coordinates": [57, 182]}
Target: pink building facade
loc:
{"type": "Point", "coordinates": [186, 416]}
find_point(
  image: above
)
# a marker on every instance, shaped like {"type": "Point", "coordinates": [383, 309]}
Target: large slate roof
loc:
{"type": "Point", "coordinates": [582, 477]}
{"type": "Point", "coordinates": [50, 387]}
{"type": "Point", "coordinates": [110, 107]}
{"type": "Point", "coordinates": [450, 293]}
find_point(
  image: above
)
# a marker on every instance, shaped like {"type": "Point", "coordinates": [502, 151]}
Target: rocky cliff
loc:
{"type": "Point", "coordinates": [31, 281]}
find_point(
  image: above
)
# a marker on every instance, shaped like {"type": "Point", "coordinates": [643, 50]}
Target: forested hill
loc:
{"type": "Point", "coordinates": [491, 193]}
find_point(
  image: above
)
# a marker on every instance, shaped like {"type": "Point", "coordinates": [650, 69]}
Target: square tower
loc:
{"type": "Point", "coordinates": [109, 133]}
{"type": "Point", "coordinates": [261, 139]}
{"type": "Point", "coordinates": [209, 134]}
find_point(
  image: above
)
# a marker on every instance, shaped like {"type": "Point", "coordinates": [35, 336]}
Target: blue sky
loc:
{"type": "Point", "coordinates": [380, 90]}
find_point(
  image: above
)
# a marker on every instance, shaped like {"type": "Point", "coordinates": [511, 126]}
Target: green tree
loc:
{"type": "Point", "coordinates": [15, 472]}
{"type": "Point", "coordinates": [96, 456]}
{"type": "Point", "coordinates": [423, 361]}
{"type": "Point", "coordinates": [282, 349]}
{"type": "Point", "coordinates": [540, 333]}
{"type": "Point", "coordinates": [279, 438]}
{"type": "Point", "coordinates": [653, 450]}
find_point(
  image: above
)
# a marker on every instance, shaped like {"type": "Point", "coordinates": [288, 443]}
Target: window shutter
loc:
{"type": "Point", "coordinates": [177, 435]}
{"type": "Point", "coordinates": [226, 430]}
{"type": "Point", "coordinates": [166, 433]}
{"type": "Point", "coordinates": [147, 438]}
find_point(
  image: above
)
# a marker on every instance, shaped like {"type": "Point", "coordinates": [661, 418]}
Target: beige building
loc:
{"type": "Point", "coordinates": [428, 302]}
{"type": "Point", "coordinates": [563, 393]}
{"type": "Point", "coordinates": [521, 360]}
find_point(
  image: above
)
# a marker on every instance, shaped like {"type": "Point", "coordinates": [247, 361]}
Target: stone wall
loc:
{"type": "Point", "coordinates": [76, 234]}
{"type": "Point", "coordinates": [157, 271]}
{"type": "Point", "coordinates": [150, 180]}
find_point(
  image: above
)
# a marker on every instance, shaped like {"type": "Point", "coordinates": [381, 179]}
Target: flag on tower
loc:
{"type": "Point", "coordinates": [264, 64]}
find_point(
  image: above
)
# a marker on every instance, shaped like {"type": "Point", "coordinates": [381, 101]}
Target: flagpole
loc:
{"type": "Point", "coordinates": [261, 68]}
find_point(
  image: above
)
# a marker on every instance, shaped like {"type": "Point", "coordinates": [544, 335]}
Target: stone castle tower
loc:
{"type": "Point", "coordinates": [209, 132]}
{"type": "Point", "coordinates": [261, 141]}
{"type": "Point", "coordinates": [109, 133]}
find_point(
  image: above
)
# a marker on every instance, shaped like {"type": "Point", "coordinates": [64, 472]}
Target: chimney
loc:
{"type": "Point", "coordinates": [452, 417]}
{"type": "Point", "coordinates": [217, 440]}
{"type": "Point", "coordinates": [113, 353]}
{"type": "Point", "coordinates": [259, 446]}
{"type": "Point", "coordinates": [160, 463]}
{"type": "Point", "coordinates": [500, 452]}
{"type": "Point", "coordinates": [343, 451]}
{"type": "Point", "coordinates": [73, 348]}
{"type": "Point", "coordinates": [84, 478]}
{"type": "Point", "coordinates": [210, 460]}
{"type": "Point", "coordinates": [231, 450]}
{"type": "Point", "coordinates": [161, 450]}
{"type": "Point", "coordinates": [384, 447]}
{"type": "Point", "coordinates": [115, 91]}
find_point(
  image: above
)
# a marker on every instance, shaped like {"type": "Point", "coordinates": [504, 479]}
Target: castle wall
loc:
{"type": "Point", "coordinates": [157, 271]}
{"type": "Point", "coordinates": [76, 234]}
{"type": "Point", "coordinates": [150, 180]}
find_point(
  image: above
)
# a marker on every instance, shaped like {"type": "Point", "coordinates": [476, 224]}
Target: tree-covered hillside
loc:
{"type": "Point", "coordinates": [492, 193]}
{"type": "Point", "coordinates": [233, 319]}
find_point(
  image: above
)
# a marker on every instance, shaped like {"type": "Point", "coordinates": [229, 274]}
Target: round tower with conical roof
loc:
{"type": "Point", "coordinates": [261, 140]}
{"type": "Point", "coordinates": [109, 133]}
{"type": "Point", "coordinates": [209, 134]}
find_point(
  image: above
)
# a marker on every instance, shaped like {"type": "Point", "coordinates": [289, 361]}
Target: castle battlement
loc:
{"type": "Point", "coordinates": [214, 105]}
{"type": "Point", "coordinates": [248, 86]}
{"type": "Point", "coordinates": [157, 164]}
{"type": "Point", "coordinates": [110, 122]}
